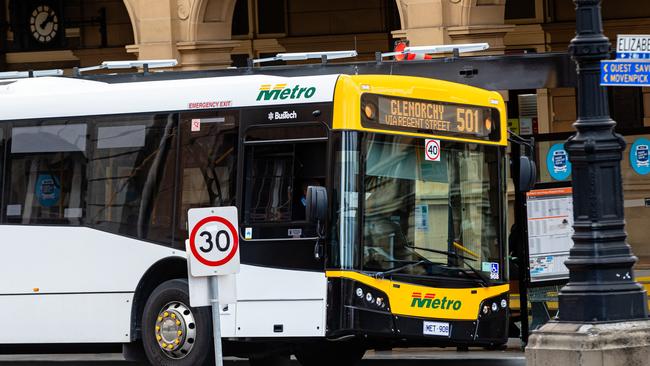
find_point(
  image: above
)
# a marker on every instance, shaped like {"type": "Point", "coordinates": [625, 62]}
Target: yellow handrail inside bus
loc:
{"type": "Point", "coordinates": [461, 247]}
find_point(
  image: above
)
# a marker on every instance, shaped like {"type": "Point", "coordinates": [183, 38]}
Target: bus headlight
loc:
{"type": "Point", "coordinates": [493, 306]}
{"type": "Point", "coordinates": [369, 298]}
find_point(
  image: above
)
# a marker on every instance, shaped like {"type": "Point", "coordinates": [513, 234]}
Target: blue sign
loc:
{"type": "Point", "coordinates": [47, 190]}
{"type": "Point", "coordinates": [639, 156]}
{"type": "Point", "coordinates": [494, 271]}
{"type": "Point", "coordinates": [632, 56]}
{"type": "Point", "coordinates": [557, 162]}
{"type": "Point", "coordinates": [625, 73]}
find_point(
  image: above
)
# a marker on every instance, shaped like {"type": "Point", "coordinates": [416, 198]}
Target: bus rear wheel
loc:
{"type": "Point", "coordinates": [174, 333]}
{"type": "Point", "coordinates": [347, 353]}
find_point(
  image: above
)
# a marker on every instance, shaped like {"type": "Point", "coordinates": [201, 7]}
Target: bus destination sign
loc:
{"type": "Point", "coordinates": [433, 117]}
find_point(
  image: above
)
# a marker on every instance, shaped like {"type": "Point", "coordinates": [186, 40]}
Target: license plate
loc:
{"type": "Point", "coordinates": [436, 328]}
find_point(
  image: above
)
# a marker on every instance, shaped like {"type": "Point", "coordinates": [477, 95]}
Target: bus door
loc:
{"type": "Point", "coordinates": [280, 162]}
{"type": "Point", "coordinates": [282, 285]}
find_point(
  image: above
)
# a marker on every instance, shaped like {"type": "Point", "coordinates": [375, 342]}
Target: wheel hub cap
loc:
{"type": "Point", "coordinates": [175, 330]}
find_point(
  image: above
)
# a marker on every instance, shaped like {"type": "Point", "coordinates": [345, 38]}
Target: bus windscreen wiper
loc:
{"type": "Point", "coordinates": [478, 274]}
{"type": "Point", "coordinates": [409, 264]}
{"type": "Point", "coordinates": [448, 253]}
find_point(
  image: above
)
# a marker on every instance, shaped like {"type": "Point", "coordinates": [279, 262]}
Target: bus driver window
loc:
{"type": "Point", "coordinates": [276, 181]}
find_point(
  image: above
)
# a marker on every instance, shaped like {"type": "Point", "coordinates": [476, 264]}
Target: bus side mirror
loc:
{"type": "Point", "coordinates": [316, 204]}
{"type": "Point", "coordinates": [527, 174]}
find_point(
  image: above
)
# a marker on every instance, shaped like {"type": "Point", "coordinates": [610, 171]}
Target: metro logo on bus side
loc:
{"type": "Point", "coordinates": [213, 246]}
{"type": "Point", "coordinates": [281, 91]}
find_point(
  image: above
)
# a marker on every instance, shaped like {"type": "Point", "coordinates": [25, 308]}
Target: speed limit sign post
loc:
{"type": "Point", "coordinates": [213, 250]}
{"type": "Point", "coordinates": [214, 241]}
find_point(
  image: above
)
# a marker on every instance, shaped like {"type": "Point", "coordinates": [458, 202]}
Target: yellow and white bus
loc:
{"type": "Point", "coordinates": [372, 212]}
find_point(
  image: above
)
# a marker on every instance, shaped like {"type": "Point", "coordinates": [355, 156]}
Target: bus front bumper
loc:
{"type": "Point", "coordinates": [383, 327]}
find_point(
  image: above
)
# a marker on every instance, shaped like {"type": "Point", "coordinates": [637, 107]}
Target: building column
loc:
{"type": "Point", "coordinates": [426, 22]}
{"type": "Point", "coordinates": [197, 33]}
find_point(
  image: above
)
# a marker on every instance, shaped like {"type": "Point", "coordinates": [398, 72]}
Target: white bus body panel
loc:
{"type": "Point", "coordinates": [85, 280]}
{"type": "Point", "coordinates": [269, 297]}
{"type": "Point", "coordinates": [68, 259]}
{"type": "Point", "coordinates": [49, 97]}
{"type": "Point", "coordinates": [69, 318]}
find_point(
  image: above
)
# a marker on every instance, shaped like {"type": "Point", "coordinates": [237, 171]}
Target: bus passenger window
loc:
{"type": "Point", "coordinates": [208, 163]}
{"type": "Point", "coordinates": [131, 176]}
{"type": "Point", "coordinates": [46, 170]}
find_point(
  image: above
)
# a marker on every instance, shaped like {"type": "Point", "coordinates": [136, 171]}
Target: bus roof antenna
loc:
{"type": "Point", "coordinates": [445, 48]}
{"type": "Point", "coordinates": [30, 74]}
{"type": "Point", "coordinates": [300, 56]}
{"type": "Point", "coordinates": [128, 64]}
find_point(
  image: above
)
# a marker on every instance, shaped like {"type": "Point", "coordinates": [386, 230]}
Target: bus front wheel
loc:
{"type": "Point", "coordinates": [325, 353]}
{"type": "Point", "coordinates": [173, 333]}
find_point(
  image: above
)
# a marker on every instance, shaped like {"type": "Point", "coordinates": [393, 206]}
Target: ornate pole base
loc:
{"type": "Point", "coordinates": [603, 305]}
{"type": "Point", "coordinates": [584, 344]}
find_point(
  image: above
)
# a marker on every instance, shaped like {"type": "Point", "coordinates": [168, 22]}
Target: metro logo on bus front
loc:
{"type": "Point", "coordinates": [430, 301]}
{"type": "Point", "coordinates": [281, 91]}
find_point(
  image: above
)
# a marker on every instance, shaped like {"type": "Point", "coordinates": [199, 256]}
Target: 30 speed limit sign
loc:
{"type": "Point", "coordinates": [432, 150]}
{"type": "Point", "coordinates": [213, 246]}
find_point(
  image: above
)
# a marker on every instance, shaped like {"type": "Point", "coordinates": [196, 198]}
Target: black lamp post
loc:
{"type": "Point", "coordinates": [601, 282]}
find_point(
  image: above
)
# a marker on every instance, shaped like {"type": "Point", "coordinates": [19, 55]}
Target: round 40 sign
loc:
{"type": "Point", "coordinates": [213, 247]}
{"type": "Point", "coordinates": [432, 150]}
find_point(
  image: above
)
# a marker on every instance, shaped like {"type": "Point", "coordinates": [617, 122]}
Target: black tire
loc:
{"type": "Point", "coordinates": [344, 353]}
{"type": "Point", "coordinates": [272, 360]}
{"type": "Point", "coordinates": [197, 325]}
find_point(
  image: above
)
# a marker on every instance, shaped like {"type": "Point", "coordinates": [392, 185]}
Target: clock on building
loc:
{"type": "Point", "coordinates": [44, 23]}
{"type": "Point", "coordinates": [37, 24]}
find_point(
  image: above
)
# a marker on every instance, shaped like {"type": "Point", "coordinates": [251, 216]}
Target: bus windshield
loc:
{"type": "Point", "coordinates": [450, 207]}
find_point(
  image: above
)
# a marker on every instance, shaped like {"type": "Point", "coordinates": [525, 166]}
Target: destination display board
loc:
{"type": "Point", "coordinates": [431, 117]}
